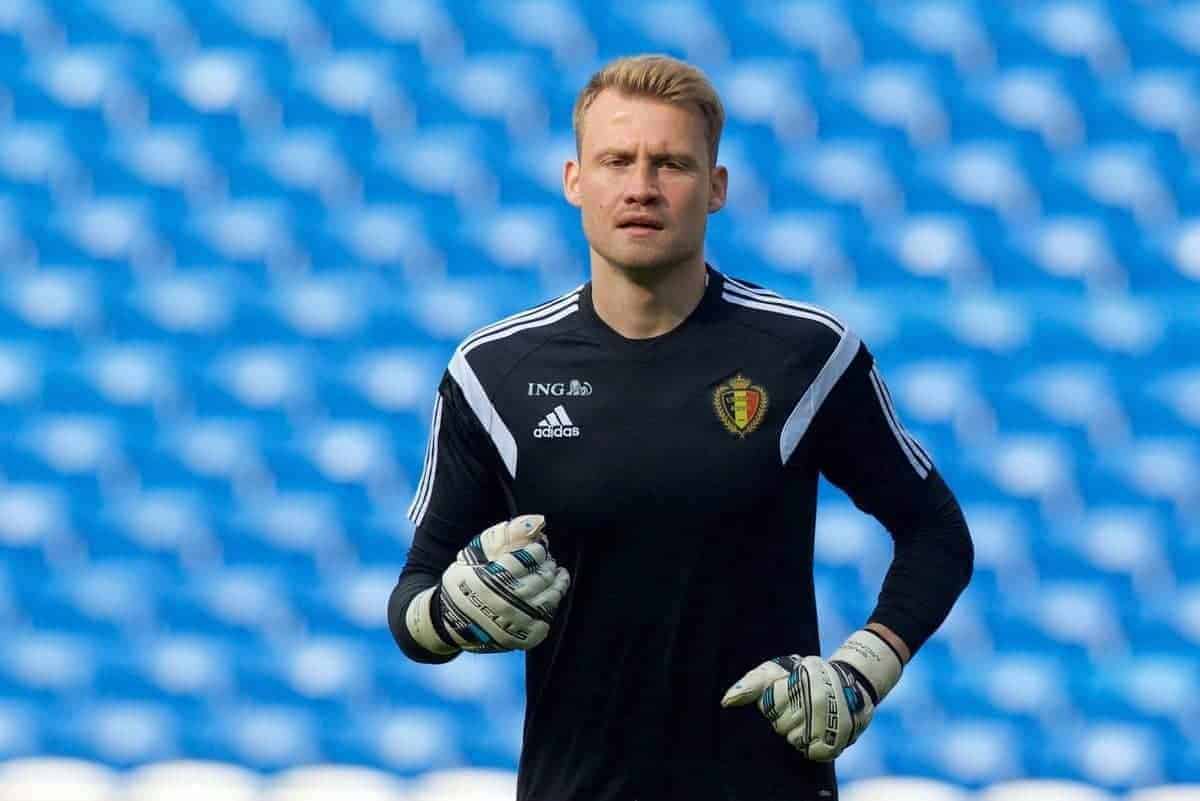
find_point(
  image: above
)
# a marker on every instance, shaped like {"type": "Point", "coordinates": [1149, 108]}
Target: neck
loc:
{"type": "Point", "coordinates": [646, 302]}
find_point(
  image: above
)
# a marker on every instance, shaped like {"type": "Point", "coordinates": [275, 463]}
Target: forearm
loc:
{"type": "Point", "coordinates": [933, 562]}
{"type": "Point", "coordinates": [893, 639]}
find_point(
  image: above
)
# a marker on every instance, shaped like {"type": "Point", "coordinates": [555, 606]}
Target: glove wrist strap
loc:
{"type": "Point", "coordinates": [872, 658]}
{"type": "Point", "coordinates": [424, 620]}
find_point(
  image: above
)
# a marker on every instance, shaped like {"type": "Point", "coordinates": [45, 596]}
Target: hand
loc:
{"type": "Point", "coordinates": [500, 593]}
{"type": "Point", "coordinates": [821, 706]}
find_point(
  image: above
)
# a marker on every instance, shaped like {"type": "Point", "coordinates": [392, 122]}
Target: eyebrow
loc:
{"type": "Point", "coordinates": [682, 158]}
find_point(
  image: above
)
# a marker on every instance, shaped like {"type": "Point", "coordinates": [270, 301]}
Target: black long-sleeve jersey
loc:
{"type": "Point", "coordinates": [678, 477]}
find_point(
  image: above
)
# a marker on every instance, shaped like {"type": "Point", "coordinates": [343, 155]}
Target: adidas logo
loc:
{"type": "Point", "coordinates": [556, 425]}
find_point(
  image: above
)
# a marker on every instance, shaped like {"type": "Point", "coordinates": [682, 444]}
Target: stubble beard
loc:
{"type": "Point", "coordinates": [650, 269]}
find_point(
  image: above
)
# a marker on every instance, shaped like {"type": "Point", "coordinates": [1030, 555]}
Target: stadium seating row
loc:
{"type": "Point", "coordinates": [78, 780]}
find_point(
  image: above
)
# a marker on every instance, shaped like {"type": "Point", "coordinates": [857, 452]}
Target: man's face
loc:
{"type": "Point", "coordinates": [643, 181]}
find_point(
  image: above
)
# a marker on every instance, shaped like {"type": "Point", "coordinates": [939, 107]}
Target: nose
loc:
{"type": "Point", "coordinates": [642, 185]}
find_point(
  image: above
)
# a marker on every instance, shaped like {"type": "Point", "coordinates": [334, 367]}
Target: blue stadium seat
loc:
{"type": "Point", "coordinates": [35, 160]}
{"type": "Point", "coordinates": [307, 161]}
{"type": "Point", "coordinates": [239, 603]}
{"type": "Point", "coordinates": [183, 309]}
{"type": "Point", "coordinates": [293, 26]}
{"type": "Point", "coordinates": [168, 162]}
{"type": "Point", "coordinates": [171, 525]}
{"type": "Point", "coordinates": [1165, 402]}
{"type": "Point", "coordinates": [82, 454]}
{"type": "Point", "coordinates": [682, 26]}
{"type": "Point", "coordinates": [92, 86]}
{"type": "Point", "coordinates": [953, 32]}
{"type": "Point", "coordinates": [767, 93]}
{"type": "Point", "coordinates": [274, 675]}
{"type": "Point", "coordinates": [981, 751]}
{"type": "Point", "coordinates": [1182, 248]}
{"type": "Point", "coordinates": [1152, 688]}
{"type": "Point", "coordinates": [821, 34]}
{"type": "Point", "coordinates": [1160, 469]}
{"type": "Point", "coordinates": [987, 174]}
{"type": "Point", "coordinates": [407, 740]}
{"type": "Point", "coordinates": [499, 92]}
{"type": "Point", "coordinates": [221, 455]}
{"type": "Point", "coordinates": [44, 666]}
{"type": "Point", "coordinates": [20, 730]}
{"type": "Point", "coordinates": [122, 734]}
{"type": "Point", "coordinates": [269, 385]}
{"type": "Point", "coordinates": [1077, 31]}
{"type": "Point", "coordinates": [186, 674]}
{"type": "Point", "coordinates": [354, 602]}
{"type": "Point", "coordinates": [53, 306]}
{"type": "Point", "coordinates": [114, 229]}
{"type": "Point", "coordinates": [163, 24]}
{"type": "Point", "coordinates": [1162, 100]}
{"type": "Point", "coordinates": [352, 93]}
{"type": "Point", "coordinates": [560, 28]}
{"type": "Point", "coordinates": [849, 173]}
{"type": "Point", "coordinates": [1033, 100]}
{"type": "Point", "coordinates": [391, 236]}
{"type": "Point", "coordinates": [902, 103]}
{"type": "Point", "coordinates": [1118, 754]}
{"type": "Point", "coordinates": [297, 530]}
{"type": "Point", "coordinates": [109, 600]}
{"type": "Point", "coordinates": [1003, 537]}
{"type": "Point", "coordinates": [136, 382]}
{"type": "Point", "coordinates": [21, 378]}
{"type": "Point", "coordinates": [262, 737]}
{"type": "Point", "coordinates": [425, 25]}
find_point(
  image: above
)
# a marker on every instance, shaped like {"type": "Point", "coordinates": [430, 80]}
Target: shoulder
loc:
{"type": "Point", "coordinates": [796, 325]}
{"type": "Point", "coordinates": [488, 354]}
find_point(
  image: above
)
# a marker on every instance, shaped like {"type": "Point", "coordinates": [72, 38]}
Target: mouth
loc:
{"type": "Point", "coordinates": [640, 226]}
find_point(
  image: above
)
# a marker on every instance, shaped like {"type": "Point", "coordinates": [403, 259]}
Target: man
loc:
{"type": "Point", "coordinates": [660, 431]}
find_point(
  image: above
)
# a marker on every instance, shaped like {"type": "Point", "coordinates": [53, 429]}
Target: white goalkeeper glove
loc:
{"type": "Point", "coordinates": [499, 594]}
{"type": "Point", "coordinates": [821, 706]}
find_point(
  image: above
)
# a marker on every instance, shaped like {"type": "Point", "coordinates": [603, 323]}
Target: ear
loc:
{"type": "Point", "coordinates": [718, 188]}
{"type": "Point", "coordinates": [571, 183]}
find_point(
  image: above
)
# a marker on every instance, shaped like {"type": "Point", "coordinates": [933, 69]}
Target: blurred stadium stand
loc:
{"type": "Point", "coordinates": [239, 240]}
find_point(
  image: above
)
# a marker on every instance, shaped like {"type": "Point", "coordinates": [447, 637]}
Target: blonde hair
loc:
{"type": "Point", "coordinates": [659, 77]}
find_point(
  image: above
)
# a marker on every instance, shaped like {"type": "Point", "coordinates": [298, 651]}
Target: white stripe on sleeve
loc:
{"type": "Point", "coordinates": [906, 444]}
{"type": "Point", "coordinates": [481, 404]}
{"type": "Point", "coordinates": [810, 403]}
{"type": "Point", "coordinates": [420, 502]}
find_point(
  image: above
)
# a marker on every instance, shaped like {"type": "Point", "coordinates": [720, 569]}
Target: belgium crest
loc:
{"type": "Point", "coordinates": [740, 405]}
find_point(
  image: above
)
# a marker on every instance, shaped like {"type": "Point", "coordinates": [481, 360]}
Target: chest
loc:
{"type": "Point", "coordinates": [693, 435]}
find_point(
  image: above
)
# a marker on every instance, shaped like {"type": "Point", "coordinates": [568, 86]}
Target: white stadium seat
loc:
{"type": "Point", "coordinates": [467, 785]}
{"type": "Point", "coordinates": [1177, 792]}
{"type": "Point", "coordinates": [335, 783]}
{"type": "Point", "coordinates": [52, 779]}
{"type": "Point", "coordinates": [191, 780]}
{"type": "Point", "coordinates": [902, 788]}
{"type": "Point", "coordinates": [1042, 790]}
